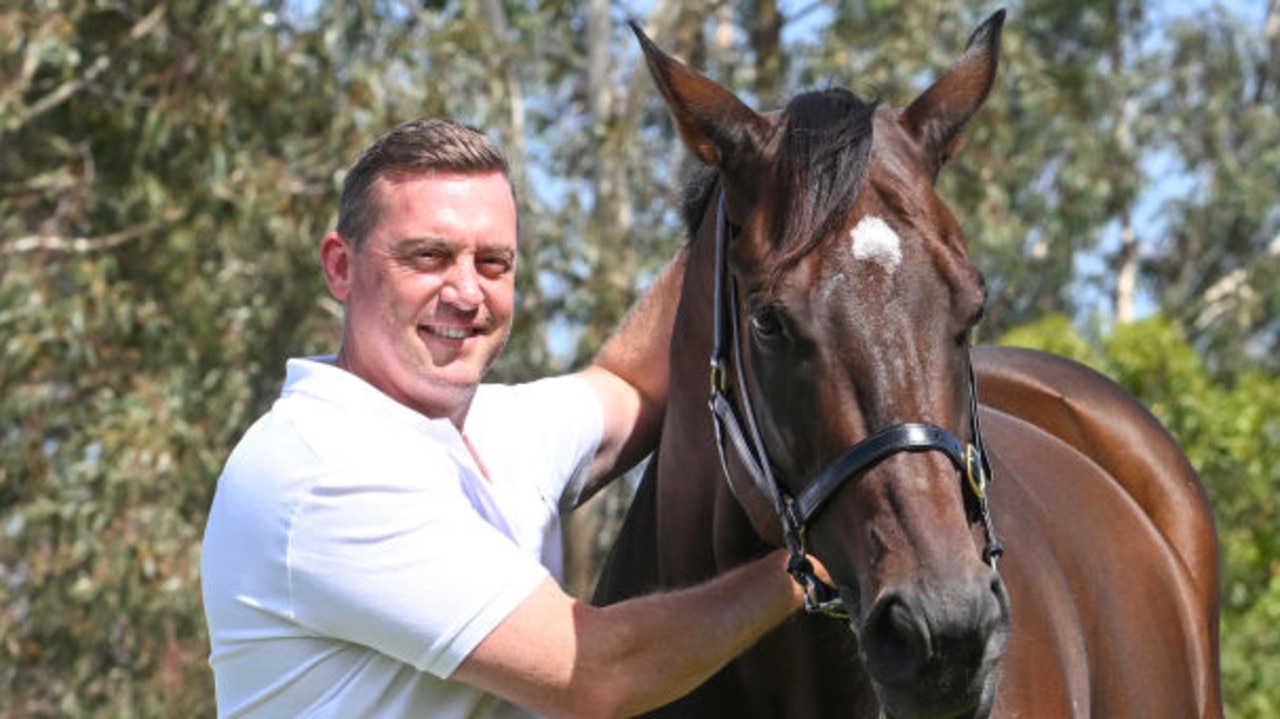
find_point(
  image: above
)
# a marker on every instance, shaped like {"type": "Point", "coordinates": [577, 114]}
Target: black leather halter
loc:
{"type": "Point", "coordinates": [796, 512]}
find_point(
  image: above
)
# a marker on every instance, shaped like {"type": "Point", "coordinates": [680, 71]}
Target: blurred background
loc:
{"type": "Point", "coordinates": [168, 169]}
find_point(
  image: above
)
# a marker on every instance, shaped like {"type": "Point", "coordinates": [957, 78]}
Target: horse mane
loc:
{"type": "Point", "coordinates": [699, 182]}
{"type": "Point", "coordinates": [825, 151]}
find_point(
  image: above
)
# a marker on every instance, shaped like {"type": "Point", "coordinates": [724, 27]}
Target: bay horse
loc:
{"type": "Point", "coordinates": [1006, 533]}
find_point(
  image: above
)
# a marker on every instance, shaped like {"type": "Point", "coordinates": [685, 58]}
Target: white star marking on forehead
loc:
{"type": "Point", "coordinates": [875, 240]}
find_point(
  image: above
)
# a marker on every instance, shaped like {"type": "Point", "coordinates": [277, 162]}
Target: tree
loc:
{"type": "Point", "coordinates": [1217, 264]}
{"type": "Point", "coordinates": [146, 232]}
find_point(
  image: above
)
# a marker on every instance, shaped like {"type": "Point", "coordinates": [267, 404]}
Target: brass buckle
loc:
{"type": "Point", "coordinates": [974, 472]}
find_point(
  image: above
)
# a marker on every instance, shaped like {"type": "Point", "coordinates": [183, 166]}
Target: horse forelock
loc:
{"type": "Point", "coordinates": [824, 154]}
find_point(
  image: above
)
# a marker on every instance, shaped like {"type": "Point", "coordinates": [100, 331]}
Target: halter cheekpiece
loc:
{"type": "Point", "coordinates": [795, 512]}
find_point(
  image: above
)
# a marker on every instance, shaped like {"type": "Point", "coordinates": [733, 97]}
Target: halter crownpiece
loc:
{"type": "Point", "coordinates": [796, 512]}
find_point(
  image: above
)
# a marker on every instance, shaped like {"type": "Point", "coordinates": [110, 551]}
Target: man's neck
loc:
{"type": "Point", "coordinates": [454, 407]}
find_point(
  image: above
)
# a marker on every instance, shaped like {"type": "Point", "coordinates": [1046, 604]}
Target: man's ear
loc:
{"type": "Point", "coordinates": [335, 259]}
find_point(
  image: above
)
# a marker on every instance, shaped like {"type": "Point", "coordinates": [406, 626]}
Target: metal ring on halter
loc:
{"type": "Point", "coordinates": [819, 597]}
{"type": "Point", "coordinates": [975, 472]}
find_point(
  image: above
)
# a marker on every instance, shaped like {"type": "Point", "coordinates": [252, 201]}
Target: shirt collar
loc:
{"type": "Point", "coordinates": [321, 378]}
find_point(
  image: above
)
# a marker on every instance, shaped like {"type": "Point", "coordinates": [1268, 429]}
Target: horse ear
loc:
{"type": "Point", "coordinates": [713, 123]}
{"type": "Point", "coordinates": [937, 118]}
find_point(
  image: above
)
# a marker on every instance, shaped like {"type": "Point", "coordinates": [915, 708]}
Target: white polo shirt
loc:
{"type": "Point", "coordinates": [355, 554]}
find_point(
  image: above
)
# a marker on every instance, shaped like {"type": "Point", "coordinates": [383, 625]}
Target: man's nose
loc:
{"type": "Point", "coordinates": [462, 286]}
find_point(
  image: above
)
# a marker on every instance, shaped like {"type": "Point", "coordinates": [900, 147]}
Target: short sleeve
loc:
{"type": "Point", "coordinates": [546, 431]}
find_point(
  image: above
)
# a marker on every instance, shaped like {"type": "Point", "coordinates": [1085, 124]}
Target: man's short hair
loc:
{"type": "Point", "coordinates": [419, 146]}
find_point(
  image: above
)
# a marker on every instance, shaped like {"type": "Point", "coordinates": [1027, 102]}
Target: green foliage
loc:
{"type": "Point", "coordinates": [1054, 333]}
{"type": "Point", "coordinates": [157, 267]}
{"type": "Point", "coordinates": [1229, 426]}
{"type": "Point", "coordinates": [1218, 264]}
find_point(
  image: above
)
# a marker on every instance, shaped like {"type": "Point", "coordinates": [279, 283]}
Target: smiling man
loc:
{"type": "Point", "coordinates": [384, 542]}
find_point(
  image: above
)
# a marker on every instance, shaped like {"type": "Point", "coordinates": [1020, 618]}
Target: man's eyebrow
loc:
{"type": "Point", "coordinates": [412, 244]}
{"type": "Point", "coordinates": [426, 241]}
{"type": "Point", "coordinates": [497, 249]}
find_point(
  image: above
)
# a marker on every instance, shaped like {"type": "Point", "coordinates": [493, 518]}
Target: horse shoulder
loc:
{"type": "Point", "coordinates": [1103, 421]}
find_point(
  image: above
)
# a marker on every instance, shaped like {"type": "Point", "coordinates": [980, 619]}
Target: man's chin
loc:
{"type": "Point", "coordinates": [454, 391]}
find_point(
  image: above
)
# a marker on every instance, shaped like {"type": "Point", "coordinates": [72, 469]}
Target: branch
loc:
{"type": "Point", "coordinates": [100, 65]}
{"type": "Point", "coordinates": [84, 245]}
{"type": "Point", "coordinates": [70, 245]}
{"type": "Point", "coordinates": [1230, 291]}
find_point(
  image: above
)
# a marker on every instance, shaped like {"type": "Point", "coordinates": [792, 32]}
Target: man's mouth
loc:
{"type": "Point", "coordinates": [450, 332]}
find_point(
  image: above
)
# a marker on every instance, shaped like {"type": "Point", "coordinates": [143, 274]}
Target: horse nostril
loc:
{"type": "Point", "coordinates": [895, 641]}
{"type": "Point", "coordinates": [997, 604]}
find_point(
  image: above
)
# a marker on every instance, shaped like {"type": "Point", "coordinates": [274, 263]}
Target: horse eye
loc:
{"type": "Point", "coordinates": [767, 323]}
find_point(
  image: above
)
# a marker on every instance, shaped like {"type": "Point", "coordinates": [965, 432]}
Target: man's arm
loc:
{"type": "Point", "coordinates": [630, 374]}
{"type": "Point", "coordinates": [559, 657]}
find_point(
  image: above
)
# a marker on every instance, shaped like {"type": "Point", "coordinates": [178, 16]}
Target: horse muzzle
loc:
{"type": "Point", "coordinates": [932, 650]}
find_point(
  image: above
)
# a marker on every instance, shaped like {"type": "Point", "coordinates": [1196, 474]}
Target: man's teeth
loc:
{"type": "Point", "coordinates": [453, 333]}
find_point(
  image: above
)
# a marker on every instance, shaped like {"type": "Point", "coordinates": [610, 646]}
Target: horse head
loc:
{"type": "Point", "coordinates": [849, 301]}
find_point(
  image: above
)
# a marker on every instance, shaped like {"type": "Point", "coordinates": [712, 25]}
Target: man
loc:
{"type": "Point", "coordinates": [384, 541]}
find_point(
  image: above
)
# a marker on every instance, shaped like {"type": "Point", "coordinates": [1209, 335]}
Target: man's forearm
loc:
{"type": "Point", "coordinates": [559, 657]}
{"type": "Point", "coordinates": [681, 638]}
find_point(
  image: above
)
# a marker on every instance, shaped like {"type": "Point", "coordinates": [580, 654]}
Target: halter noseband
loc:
{"type": "Point", "coordinates": [796, 512]}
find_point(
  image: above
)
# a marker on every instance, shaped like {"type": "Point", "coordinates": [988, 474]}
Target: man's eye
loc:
{"type": "Point", "coordinates": [425, 257]}
{"type": "Point", "coordinates": [494, 266]}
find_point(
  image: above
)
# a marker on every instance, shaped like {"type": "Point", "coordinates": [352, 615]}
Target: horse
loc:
{"type": "Point", "coordinates": [1004, 532]}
